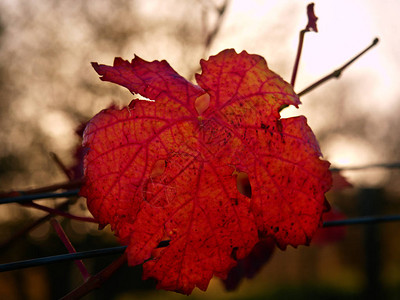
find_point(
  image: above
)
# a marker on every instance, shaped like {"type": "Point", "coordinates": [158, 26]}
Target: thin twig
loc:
{"type": "Point", "coordinates": [97, 280]}
{"type": "Point", "coordinates": [30, 227]}
{"type": "Point", "coordinates": [338, 72]}
{"type": "Point", "coordinates": [67, 243]}
{"type": "Point", "coordinates": [58, 212]}
{"type": "Point", "coordinates": [298, 55]}
{"type": "Point", "coordinates": [311, 26]}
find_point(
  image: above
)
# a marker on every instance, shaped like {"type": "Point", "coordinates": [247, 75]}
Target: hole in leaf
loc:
{"type": "Point", "coordinates": [202, 103]}
{"type": "Point", "coordinates": [243, 184]}
{"type": "Point", "coordinates": [158, 168]}
{"type": "Point", "coordinates": [161, 246]}
{"type": "Point", "coordinates": [164, 243]}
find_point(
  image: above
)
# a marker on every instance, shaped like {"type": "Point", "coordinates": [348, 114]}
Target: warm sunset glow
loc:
{"type": "Point", "coordinates": [49, 90]}
{"type": "Point", "coordinates": [350, 151]}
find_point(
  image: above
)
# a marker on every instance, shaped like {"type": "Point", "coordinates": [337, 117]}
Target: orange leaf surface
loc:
{"type": "Point", "coordinates": [169, 169]}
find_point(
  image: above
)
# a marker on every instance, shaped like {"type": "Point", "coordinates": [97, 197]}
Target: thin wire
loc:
{"type": "Point", "coordinates": [75, 192]}
{"type": "Point", "coordinates": [66, 257]}
{"type": "Point", "coordinates": [27, 198]}
{"type": "Point", "coordinates": [119, 250]}
{"type": "Point", "coordinates": [362, 220]}
{"type": "Point", "coordinates": [60, 258]}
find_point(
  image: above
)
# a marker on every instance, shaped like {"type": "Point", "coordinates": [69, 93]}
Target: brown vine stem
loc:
{"type": "Point", "coordinates": [21, 233]}
{"type": "Point", "coordinates": [338, 72]}
{"type": "Point", "coordinates": [56, 211]}
{"type": "Point", "coordinates": [298, 55]}
{"type": "Point", "coordinates": [97, 280]}
{"type": "Point", "coordinates": [67, 243]}
{"type": "Point", "coordinates": [311, 26]}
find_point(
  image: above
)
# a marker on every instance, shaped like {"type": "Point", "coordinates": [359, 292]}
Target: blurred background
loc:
{"type": "Point", "coordinates": [48, 88]}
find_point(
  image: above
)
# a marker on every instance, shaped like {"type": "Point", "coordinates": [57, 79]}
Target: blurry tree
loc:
{"type": "Point", "coordinates": [47, 84]}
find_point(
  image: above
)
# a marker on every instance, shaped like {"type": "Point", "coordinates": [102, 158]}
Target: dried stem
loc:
{"type": "Point", "coordinates": [338, 72]}
{"type": "Point", "coordinates": [32, 226]}
{"type": "Point", "coordinates": [298, 55]}
{"type": "Point", "coordinates": [311, 26]}
{"type": "Point", "coordinates": [97, 280]}
{"type": "Point", "coordinates": [58, 210]}
{"type": "Point", "coordinates": [64, 238]}
{"type": "Point", "coordinates": [55, 211]}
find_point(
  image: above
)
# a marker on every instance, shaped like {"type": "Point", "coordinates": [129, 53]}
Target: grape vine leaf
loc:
{"type": "Point", "coordinates": [339, 181]}
{"type": "Point", "coordinates": [167, 168]}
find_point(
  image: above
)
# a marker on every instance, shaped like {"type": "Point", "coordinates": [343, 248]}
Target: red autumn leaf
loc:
{"type": "Point", "coordinates": [339, 181]}
{"type": "Point", "coordinates": [167, 169]}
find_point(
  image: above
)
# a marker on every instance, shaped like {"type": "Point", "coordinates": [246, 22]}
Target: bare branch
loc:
{"type": "Point", "coordinates": [97, 280]}
{"type": "Point", "coordinates": [67, 243]}
{"type": "Point", "coordinates": [338, 72]}
{"type": "Point", "coordinates": [311, 26]}
{"type": "Point", "coordinates": [58, 212]}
